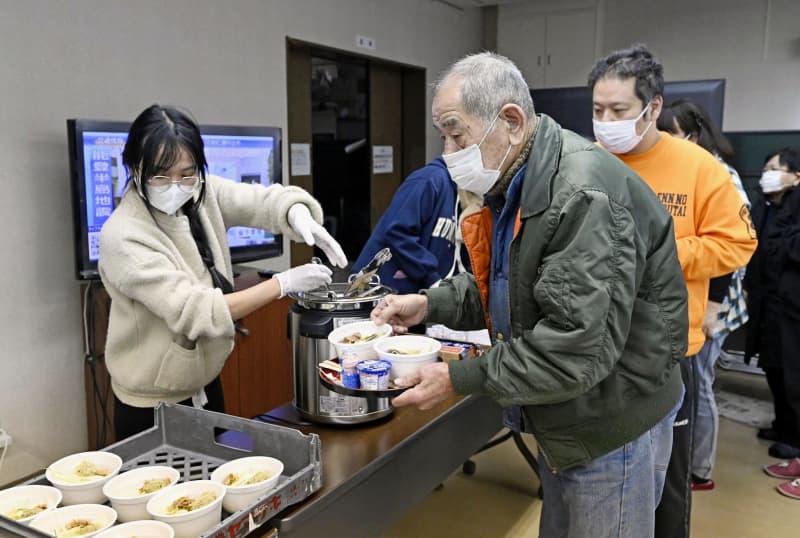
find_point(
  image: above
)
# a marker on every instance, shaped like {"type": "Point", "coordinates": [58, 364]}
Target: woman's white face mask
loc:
{"type": "Point", "coordinates": [620, 136]}
{"type": "Point", "coordinates": [466, 166]}
{"type": "Point", "coordinates": [170, 200]}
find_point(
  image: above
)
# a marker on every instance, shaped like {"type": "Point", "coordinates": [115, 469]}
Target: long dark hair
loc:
{"type": "Point", "coordinates": [155, 140]}
{"type": "Point", "coordinates": [693, 119]}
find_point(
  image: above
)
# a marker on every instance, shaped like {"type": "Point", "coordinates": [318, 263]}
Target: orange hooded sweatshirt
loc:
{"type": "Point", "coordinates": [713, 230]}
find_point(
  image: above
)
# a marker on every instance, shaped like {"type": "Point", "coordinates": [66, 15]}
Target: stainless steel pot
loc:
{"type": "Point", "coordinates": [311, 319]}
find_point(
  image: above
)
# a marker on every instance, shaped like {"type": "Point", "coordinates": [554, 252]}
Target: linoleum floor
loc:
{"type": "Point", "coordinates": [499, 501]}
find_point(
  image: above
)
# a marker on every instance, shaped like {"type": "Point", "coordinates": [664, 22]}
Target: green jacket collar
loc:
{"type": "Point", "coordinates": [542, 165]}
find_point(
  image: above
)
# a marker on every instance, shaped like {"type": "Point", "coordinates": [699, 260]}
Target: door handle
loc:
{"type": "Point", "coordinates": [548, 59]}
{"type": "Point", "coordinates": [539, 60]}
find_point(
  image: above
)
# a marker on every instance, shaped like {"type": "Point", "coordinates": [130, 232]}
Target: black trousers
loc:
{"type": "Point", "coordinates": [674, 512]}
{"type": "Point", "coordinates": [130, 420]}
{"type": "Point", "coordinates": [790, 360]}
{"type": "Point", "coordinates": [786, 419]}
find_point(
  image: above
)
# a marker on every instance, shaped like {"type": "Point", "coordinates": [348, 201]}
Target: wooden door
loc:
{"type": "Point", "coordinates": [386, 131]}
{"type": "Point", "coordinates": [416, 115]}
{"type": "Point", "coordinates": [298, 101]}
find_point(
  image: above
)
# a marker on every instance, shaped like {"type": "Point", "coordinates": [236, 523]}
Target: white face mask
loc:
{"type": "Point", "coordinates": [170, 200]}
{"type": "Point", "coordinates": [771, 181]}
{"type": "Point", "coordinates": [466, 166]}
{"type": "Point", "coordinates": [620, 136]}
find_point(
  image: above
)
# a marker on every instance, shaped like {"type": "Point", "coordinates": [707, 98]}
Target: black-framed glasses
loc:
{"type": "Point", "coordinates": [186, 183]}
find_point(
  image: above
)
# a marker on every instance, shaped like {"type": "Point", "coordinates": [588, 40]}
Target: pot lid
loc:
{"type": "Point", "coordinates": [335, 297]}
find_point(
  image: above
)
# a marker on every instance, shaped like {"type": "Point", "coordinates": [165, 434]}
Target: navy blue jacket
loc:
{"type": "Point", "coordinates": [419, 227]}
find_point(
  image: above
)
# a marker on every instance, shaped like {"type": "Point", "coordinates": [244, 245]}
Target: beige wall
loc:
{"type": "Point", "coordinates": [109, 59]}
{"type": "Point", "coordinates": [753, 44]}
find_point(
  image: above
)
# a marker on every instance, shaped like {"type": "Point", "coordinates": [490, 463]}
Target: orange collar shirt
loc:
{"type": "Point", "coordinates": [713, 230]}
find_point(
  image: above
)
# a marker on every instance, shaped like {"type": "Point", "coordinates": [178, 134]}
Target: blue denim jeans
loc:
{"type": "Point", "coordinates": [706, 423]}
{"type": "Point", "coordinates": [614, 495]}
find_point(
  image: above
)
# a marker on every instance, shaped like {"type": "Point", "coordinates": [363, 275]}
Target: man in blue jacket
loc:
{"type": "Point", "coordinates": [419, 227]}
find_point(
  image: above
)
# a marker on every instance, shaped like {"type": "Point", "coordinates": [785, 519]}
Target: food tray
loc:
{"type": "Point", "coordinates": [189, 440]}
{"type": "Point", "coordinates": [336, 386]}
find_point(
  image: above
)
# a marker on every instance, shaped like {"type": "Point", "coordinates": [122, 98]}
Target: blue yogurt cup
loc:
{"type": "Point", "coordinates": [374, 374]}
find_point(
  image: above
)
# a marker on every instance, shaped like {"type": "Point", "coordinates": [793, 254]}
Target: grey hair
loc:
{"type": "Point", "coordinates": [489, 81]}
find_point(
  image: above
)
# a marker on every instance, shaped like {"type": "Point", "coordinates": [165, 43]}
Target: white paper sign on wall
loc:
{"type": "Point", "coordinates": [301, 159]}
{"type": "Point", "coordinates": [382, 159]}
{"type": "Point", "coordinates": [364, 42]}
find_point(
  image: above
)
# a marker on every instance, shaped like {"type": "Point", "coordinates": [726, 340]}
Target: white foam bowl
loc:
{"type": "Point", "coordinates": [55, 520]}
{"type": "Point", "coordinates": [404, 364]}
{"type": "Point", "coordinates": [188, 524]}
{"type": "Point", "coordinates": [139, 529]}
{"type": "Point", "coordinates": [239, 497]}
{"type": "Point", "coordinates": [28, 497]}
{"type": "Point", "coordinates": [87, 492]}
{"type": "Point", "coordinates": [364, 351]}
{"type": "Point", "coordinates": [123, 490]}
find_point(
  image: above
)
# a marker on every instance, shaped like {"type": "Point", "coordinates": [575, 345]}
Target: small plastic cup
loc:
{"type": "Point", "coordinates": [144, 528]}
{"type": "Point", "coordinates": [53, 522]}
{"type": "Point", "coordinates": [124, 490]}
{"type": "Point", "coordinates": [407, 353]}
{"type": "Point", "coordinates": [374, 374]}
{"type": "Point", "coordinates": [79, 490]}
{"type": "Point", "coordinates": [19, 501]}
{"type": "Point", "coordinates": [349, 361]}
{"type": "Point", "coordinates": [188, 524]}
{"type": "Point", "coordinates": [238, 497]}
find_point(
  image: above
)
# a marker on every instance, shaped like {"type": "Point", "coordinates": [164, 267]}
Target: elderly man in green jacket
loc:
{"type": "Point", "coordinates": [577, 278]}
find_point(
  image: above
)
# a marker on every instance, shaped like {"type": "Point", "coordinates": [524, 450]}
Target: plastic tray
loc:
{"type": "Point", "coordinates": [190, 440]}
{"type": "Point", "coordinates": [336, 386]}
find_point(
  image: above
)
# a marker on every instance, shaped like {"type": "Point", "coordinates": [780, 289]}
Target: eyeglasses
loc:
{"type": "Point", "coordinates": [163, 183]}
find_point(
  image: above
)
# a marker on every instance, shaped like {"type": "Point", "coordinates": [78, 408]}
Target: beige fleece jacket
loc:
{"type": "Point", "coordinates": [170, 331]}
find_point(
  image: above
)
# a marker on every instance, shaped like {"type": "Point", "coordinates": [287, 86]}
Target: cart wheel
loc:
{"type": "Point", "coordinates": [540, 493]}
{"type": "Point", "coordinates": [440, 487]}
{"type": "Point", "coordinates": [468, 467]}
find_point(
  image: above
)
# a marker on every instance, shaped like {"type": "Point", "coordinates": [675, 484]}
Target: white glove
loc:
{"type": "Point", "coordinates": [303, 278]}
{"type": "Point", "coordinates": [313, 233]}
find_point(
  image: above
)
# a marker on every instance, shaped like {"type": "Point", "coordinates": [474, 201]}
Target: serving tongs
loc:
{"type": "Point", "coordinates": [329, 293]}
{"type": "Point", "coordinates": [364, 277]}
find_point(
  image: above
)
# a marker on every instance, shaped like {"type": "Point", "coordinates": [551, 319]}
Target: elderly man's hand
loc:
{"type": "Point", "coordinates": [431, 386]}
{"type": "Point", "coordinates": [401, 311]}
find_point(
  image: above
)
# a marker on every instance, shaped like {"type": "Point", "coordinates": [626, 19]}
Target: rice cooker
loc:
{"type": "Point", "coordinates": [314, 315]}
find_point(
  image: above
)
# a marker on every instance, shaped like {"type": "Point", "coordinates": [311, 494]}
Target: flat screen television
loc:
{"type": "Point", "coordinates": [572, 106]}
{"type": "Point", "coordinates": [98, 177]}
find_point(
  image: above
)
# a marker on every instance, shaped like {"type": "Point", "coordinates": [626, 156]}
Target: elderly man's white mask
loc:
{"type": "Point", "coordinates": [466, 166]}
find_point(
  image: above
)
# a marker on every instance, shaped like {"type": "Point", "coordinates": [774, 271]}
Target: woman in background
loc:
{"type": "Point", "coordinates": [164, 262]}
{"type": "Point", "coordinates": [726, 310]}
{"type": "Point", "coordinates": [773, 286]}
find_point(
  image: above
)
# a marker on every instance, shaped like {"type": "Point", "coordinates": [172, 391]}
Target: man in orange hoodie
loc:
{"type": "Point", "coordinates": [713, 230]}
